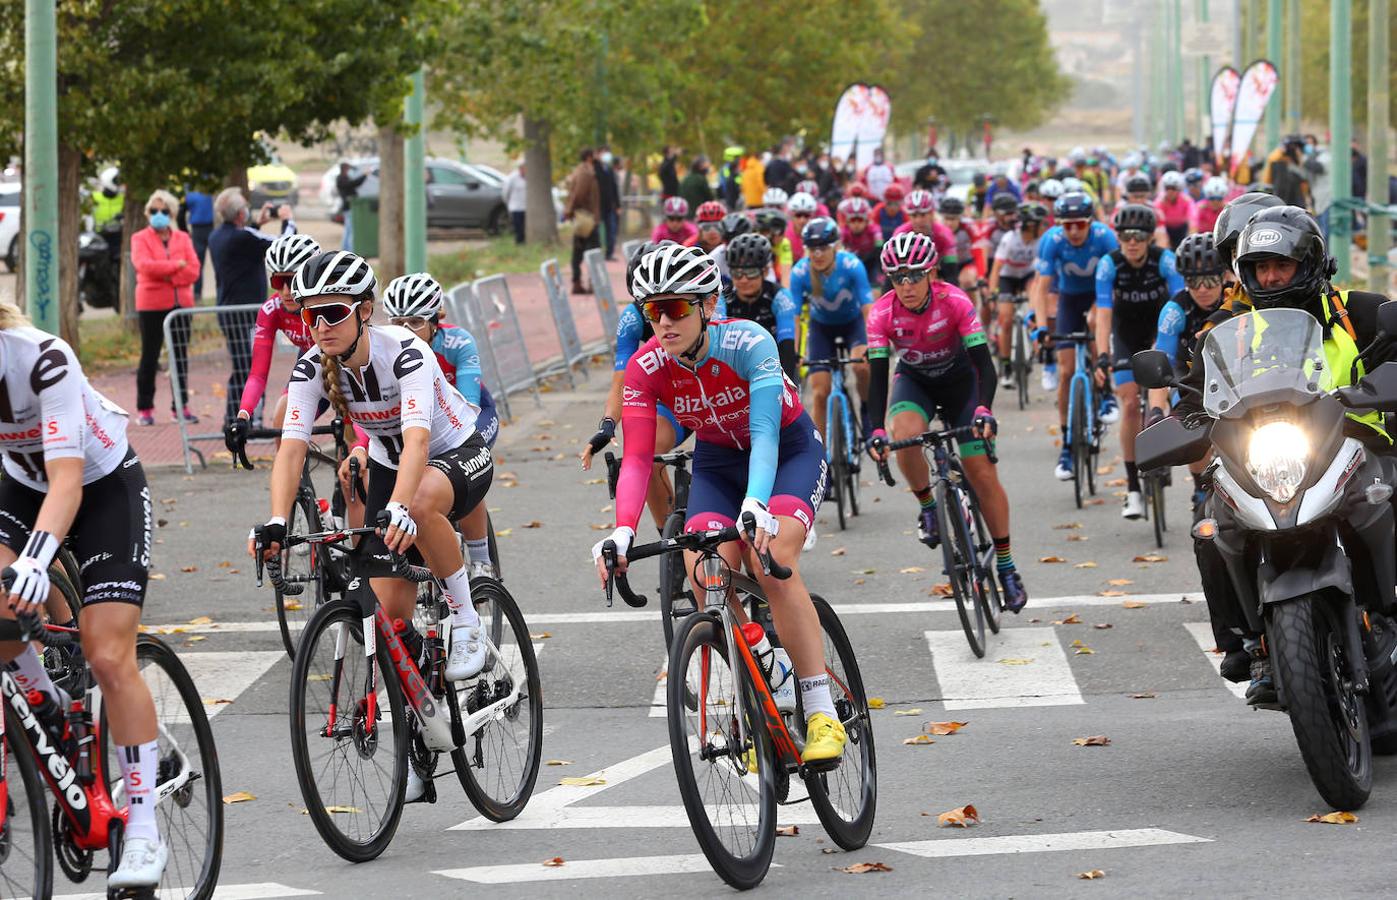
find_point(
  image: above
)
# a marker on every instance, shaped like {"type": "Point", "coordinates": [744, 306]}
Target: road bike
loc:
{"type": "Point", "coordinates": [1152, 481]}
{"type": "Point", "coordinates": [735, 751]}
{"type": "Point", "coordinates": [74, 759]}
{"type": "Point", "coordinates": [843, 440]}
{"type": "Point", "coordinates": [354, 666]}
{"type": "Point", "coordinates": [967, 549]}
{"type": "Point", "coordinates": [1084, 427]}
{"type": "Point", "coordinates": [1021, 364]}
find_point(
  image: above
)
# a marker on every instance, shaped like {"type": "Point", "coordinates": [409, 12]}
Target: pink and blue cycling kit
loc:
{"type": "Point", "coordinates": [752, 436]}
{"type": "Point", "coordinates": [686, 235]}
{"type": "Point", "coordinates": [273, 317]}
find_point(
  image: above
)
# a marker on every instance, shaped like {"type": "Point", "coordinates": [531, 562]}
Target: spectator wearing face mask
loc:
{"type": "Point", "coordinates": [878, 176]}
{"type": "Point", "coordinates": [610, 197]}
{"type": "Point", "coordinates": [166, 269]}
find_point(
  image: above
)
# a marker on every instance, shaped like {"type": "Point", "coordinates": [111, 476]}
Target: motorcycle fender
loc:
{"type": "Point", "coordinates": [1333, 573]}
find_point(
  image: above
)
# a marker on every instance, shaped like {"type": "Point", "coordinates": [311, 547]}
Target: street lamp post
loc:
{"type": "Point", "coordinates": [41, 164]}
{"type": "Point", "coordinates": [414, 182]}
{"type": "Point", "coordinates": [1379, 227]}
{"type": "Point", "coordinates": [1340, 129]}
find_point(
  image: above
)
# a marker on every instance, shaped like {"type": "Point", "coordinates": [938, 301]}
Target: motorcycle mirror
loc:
{"type": "Point", "coordinates": [1377, 390]}
{"type": "Point", "coordinates": [1169, 443]}
{"type": "Point", "coordinates": [1387, 318]}
{"type": "Point", "coordinates": [1152, 369]}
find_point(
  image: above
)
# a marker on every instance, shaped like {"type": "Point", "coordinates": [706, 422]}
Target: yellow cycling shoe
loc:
{"type": "Point", "coordinates": [824, 741]}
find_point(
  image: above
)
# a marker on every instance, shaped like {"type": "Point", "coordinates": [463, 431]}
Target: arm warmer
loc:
{"type": "Point", "coordinates": [765, 424]}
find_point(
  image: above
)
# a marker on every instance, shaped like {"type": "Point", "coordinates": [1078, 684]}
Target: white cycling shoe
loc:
{"type": "Point", "coordinates": [1006, 380]}
{"type": "Point", "coordinates": [467, 656]}
{"type": "Point", "coordinates": [142, 863]}
{"type": "Point", "coordinates": [1049, 380]}
{"type": "Point", "coordinates": [810, 538]}
{"type": "Point", "coordinates": [1134, 506]}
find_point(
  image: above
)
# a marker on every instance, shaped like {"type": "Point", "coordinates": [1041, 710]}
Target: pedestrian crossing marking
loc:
{"type": "Point", "coordinates": [1039, 675]}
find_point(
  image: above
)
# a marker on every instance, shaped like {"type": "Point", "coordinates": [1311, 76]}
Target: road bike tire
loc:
{"type": "Point", "coordinates": [311, 680]}
{"type": "Point", "coordinates": [851, 476]}
{"type": "Point", "coordinates": [839, 462]}
{"type": "Point", "coordinates": [65, 666]}
{"type": "Point", "coordinates": [494, 547]}
{"type": "Point", "coordinates": [293, 613]}
{"type": "Point", "coordinates": [676, 600]}
{"type": "Point", "coordinates": [192, 817]}
{"type": "Point", "coordinates": [846, 798]}
{"type": "Point", "coordinates": [24, 822]}
{"type": "Point", "coordinates": [987, 573]}
{"type": "Point", "coordinates": [1077, 427]}
{"type": "Point", "coordinates": [1156, 487]}
{"type": "Point", "coordinates": [1020, 363]}
{"type": "Point", "coordinates": [958, 556]}
{"type": "Point", "coordinates": [701, 643]}
{"type": "Point", "coordinates": [502, 791]}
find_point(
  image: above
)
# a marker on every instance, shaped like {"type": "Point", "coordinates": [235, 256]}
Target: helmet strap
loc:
{"type": "Point", "coordinates": [692, 354]}
{"type": "Point", "coordinates": [344, 357]}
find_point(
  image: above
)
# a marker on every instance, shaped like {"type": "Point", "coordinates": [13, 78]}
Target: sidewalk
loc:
{"type": "Point", "coordinates": [208, 372]}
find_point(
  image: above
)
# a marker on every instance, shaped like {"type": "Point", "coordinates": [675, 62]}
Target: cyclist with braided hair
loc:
{"type": "Point", "coordinates": [751, 295]}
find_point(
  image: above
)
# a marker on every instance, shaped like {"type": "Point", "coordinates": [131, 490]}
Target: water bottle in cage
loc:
{"type": "Point", "coordinates": [775, 665]}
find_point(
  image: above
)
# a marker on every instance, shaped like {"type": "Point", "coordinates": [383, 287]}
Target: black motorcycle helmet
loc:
{"type": "Point", "coordinates": [1292, 233]}
{"type": "Point", "coordinates": [1196, 256]}
{"type": "Point", "coordinates": [734, 223]}
{"type": "Point", "coordinates": [638, 255]}
{"type": "Point", "coordinates": [1234, 218]}
{"type": "Point", "coordinates": [1004, 203]}
{"type": "Point", "coordinates": [1136, 217]}
{"type": "Point", "coordinates": [1139, 183]}
{"type": "Point", "coordinates": [951, 206]}
{"type": "Point", "coordinates": [749, 251]}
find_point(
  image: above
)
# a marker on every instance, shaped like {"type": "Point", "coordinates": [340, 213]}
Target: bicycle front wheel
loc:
{"type": "Point", "coordinates": [839, 462]}
{"type": "Point", "coordinates": [300, 565]}
{"type": "Point", "coordinates": [845, 798]}
{"type": "Point", "coordinates": [1020, 363]}
{"type": "Point", "coordinates": [189, 786]}
{"type": "Point", "coordinates": [26, 844]}
{"type": "Point", "coordinates": [676, 600]}
{"type": "Point", "coordinates": [350, 748]}
{"type": "Point", "coordinates": [1157, 502]}
{"type": "Point", "coordinates": [499, 762]}
{"type": "Point", "coordinates": [986, 572]}
{"type": "Point", "coordinates": [728, 785]}
{"type": "Point", "coordinates": [1081, 441]}
{"type": "Point", "coordinates": [959, 555]}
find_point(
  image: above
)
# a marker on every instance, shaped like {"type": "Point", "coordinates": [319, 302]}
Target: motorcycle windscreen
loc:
{"type": "Point", "coordinates": [1274, 350]}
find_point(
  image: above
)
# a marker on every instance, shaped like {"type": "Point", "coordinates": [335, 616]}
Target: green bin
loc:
{"type": "Point", "coordinates": [365, 213]}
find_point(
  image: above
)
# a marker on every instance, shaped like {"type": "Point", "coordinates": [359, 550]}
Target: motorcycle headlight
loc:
{"type": "Point", "coordinates": [1277, 457]}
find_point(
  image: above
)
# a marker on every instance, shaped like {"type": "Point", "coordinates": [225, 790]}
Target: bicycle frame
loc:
{"type": "Point", "coordinates": [1081, 375]}
{"type": "Point", "coordinates": [839, 396]}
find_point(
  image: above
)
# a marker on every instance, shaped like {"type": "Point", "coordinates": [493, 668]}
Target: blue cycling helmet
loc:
{"type": "Point", "coordinates": [1194, 175]}
{"type": "Point", "coordinates": [820, 232]}
{"type": "Point", "coordinates": [1074, 205]}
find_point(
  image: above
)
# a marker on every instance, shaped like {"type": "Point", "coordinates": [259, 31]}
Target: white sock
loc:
{"type": "Point", "coordinates": [458, 598]}
{"type": "Point", "coordinates": [479, 550]}
{"type": "Point", "coordinates": [814, 696]}
{"type": "Point", "coordinates": [29, 674]}
{"type": "Point", "coordinates": [139, 765]}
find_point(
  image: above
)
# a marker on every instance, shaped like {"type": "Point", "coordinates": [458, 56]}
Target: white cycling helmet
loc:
{"type": "Point", "coordinates": [289, 252]}
{"type": "Point", "coordinates": [675, 269]}
{"type": "Point", "coordinates": [1071, 185]}
{"type": "Point", "coordinates": [1132, 161]}
{"type": "Point", "coordinates": [775, 198]}
{"type": "Point", "coordinates": [418, 294]}
{"type": "Point", "coordinates": [802, 203]}
{"type": "Point", "coordinates": [1215, 188]}
{"type": "Point", "coordinates": [1077, 155]}
{"type": "Point", "coordinates": [1173, 180]}
{"type": "Point", "coordinates": [1051, 189]}
{"type": "Point", "coordinates": [336, 272]}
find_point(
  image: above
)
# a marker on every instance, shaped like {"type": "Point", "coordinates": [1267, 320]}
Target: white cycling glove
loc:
{"type": "Point", "coordinates": [398, 517]}
{"type": "Point", "coordinates": [31, 569]}
{"type": "Point", "coordinates": [765, 520]}
{"type": "Point", "coordinates": [622, 536]}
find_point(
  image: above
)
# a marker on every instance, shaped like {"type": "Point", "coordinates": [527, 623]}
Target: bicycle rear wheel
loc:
{"type": "Point", "coordinates": [986, 572]}
{"type": "Point", "coordinates": [731, 809]}
{"type": "Point", "coordinates": [839, 462]}
{"type": "Point", "coordinates": [498, 764]}
{"type": "Point", "coordinates": [65, 665]}
{"type": "Point", "coordinates": [958, 553]}
{"type": "Point", "coordinates": [1081, 460]}
{"type": "Point", "coordinates": [1020, 362]}
{"type": "Point", "coordinates": [190, 815]}
{"type": "Point", "coordinates": [676, 600]}
{"type": "Point", "coordinates": [300, 565]}
{"type": "Point", "coordinates": [1156, 488]}
{"type": "Point", "coordinates": [352, 774]}
{"type": "Point", "coordinates": [845, 798]}
{"type": "Point", "coordinates": [494, 547]}
{"type": "Point", "coordinates": [26, 844]}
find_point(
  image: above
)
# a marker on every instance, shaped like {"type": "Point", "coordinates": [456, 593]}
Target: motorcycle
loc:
{"type": "Point", "coordinates": [1300, 511]}
{"type": "Point", "coordinates": [99, 267]}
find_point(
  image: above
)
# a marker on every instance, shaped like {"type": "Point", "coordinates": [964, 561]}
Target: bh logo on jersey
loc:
{"type": "Point", "coordinates": [736, 339]}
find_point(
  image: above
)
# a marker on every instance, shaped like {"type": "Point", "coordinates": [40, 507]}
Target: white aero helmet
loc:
{"type": "Point", "coordinates": [418, 294]}
{"type": "Point", "coordinates": [775, 198]}
{"type": "Point", "coordinates": [1215, 188]}
{"type": "Point", "coordinates": [335, 272]}
{"type": "Point", "coordinates": [675, 269]}
{"type": "Point", "coordinates": [802, 203]}
{"type": "Point", "coordinates": [289, 252]}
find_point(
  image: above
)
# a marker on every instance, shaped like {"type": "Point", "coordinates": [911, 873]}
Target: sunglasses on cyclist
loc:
{"type": "Point", "coordinates": [1075, 224]}
{"type": "Point", "coordinates": [654, 310]}
{"type": "Point", "coordinates": [906, 276]}
{"type": "Point", "coordinates": [416, 323]}
{"type": "Point", "coordinates": [1203, 281]}
{"type": "Point", "coordinates": [800, 215]}
{"type": "Point", "coordinates": [329, 313]}
{"type": "Point", "coordinates": [747, 273]}
{"type": "Point", "coordinates": [1134, 236]}
{"type": "Point", "coordinates": [281, 280]}
{"type": "Point", "coordinates": [674, 218]}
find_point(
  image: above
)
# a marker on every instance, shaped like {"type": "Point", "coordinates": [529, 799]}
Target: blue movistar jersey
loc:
{"type": "Point", "coordinates": [1171, 325]}
{"type": "Point", "coordinates": [1073, 269]}
{"type": "Point", "coordinates": [459, 359]}
{"type": "Point", "coordinates": [632, 330]}
{"type": "Point", "coordinates": [843, 293]}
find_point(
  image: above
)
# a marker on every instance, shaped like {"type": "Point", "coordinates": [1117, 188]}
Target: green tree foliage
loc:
{"type": "Point", "coordinates": [989, 57]}
{"type": "Point", "coordinates": [1314, 62]}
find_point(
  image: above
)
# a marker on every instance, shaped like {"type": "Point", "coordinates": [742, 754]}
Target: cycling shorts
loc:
{"type": "Point", "coordinates": [1072, 312]}
{"type": "Point", "coordinates": [681, 434]}
{"type": "Point", "coordinates": [819, 340]}
{"type": "Point", "coordinates": [954, 400]}
{"type": "Point", "coordinates": [110, 535]}
{"type": "Point", "coordinates": [1176, 234]}
{"type": "Point", "coordinates": [468, 467]}
{"type": "Point", "coordinates": [719, 481]}
{"type": "Point", "coordinates": [1123, 347]}
{"type": "Point", "coordinates": [1009, 286]}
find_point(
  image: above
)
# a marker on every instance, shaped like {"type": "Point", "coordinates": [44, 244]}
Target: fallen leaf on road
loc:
{"type": "Point", "coordinates": [1102, 626]}
{"type": "Point", "coordinates": [1150, 558]}
{"type": "Point", "coordinates": [1067, 526]}
{"type": "Point", "coordinates": [865, 571]}
{"type": "Point", "coordinates": [1096, 740]}
{"type": "Point", "coordinates": [1078, 537]}
{"type": "Point", "coordinates": [863, 868]}
{"type": "Point", "coordinates": [1119, 582]}
{"type": "Point", "coordinates": [584, 781]}
{"type": "Point", "coordinates": [911, 570]}
{"type": "Point", "coordinates": [194, 639]}
{"type": "Point", "coordinates": [943, 589]}
{"type": "Point", "coordinates": [189, 568]}
{"type": "Point", "coordinates": [829, 850]}
{"type": "Point", "coordinates": [557, 762]}
{"type": "Point", "coordinates": [321, 677]}
{"type": "Point", "coordinates": [201, 620]}
{"type": "Point", "coordinates": [600, 526]}
{"type": "Point", "coordinates": [595, 481]}
{"type": "Point", "coordinates": [555, 862]}
{"type": "Point", "coordinates": [542, 635]}
{"type": "Point", "coordinates": [1096, 501]}
{"type": "Point", "coordinates": [1083, 651]}
{"type": "Point", "coordinates": [215, 701]}
{"type": "Point", "coordinates": [1134, 604]}
{"type": "Point", "coordinates": [1144, 695]}
{"type": "Point", "coordinates": [1014, 661]}
{"type": "Point", "coordinates": [1334, 818]}
{"type": "Point", "coordinates": [838, 551]}
{"type": "Point", "coordinates": [291, 605]}
{"type": "Point", "coordinates": [876, 703]}
{"type": "Point", "coordinates": [943, 728]}
{"type": "Point", "coordinates": [919, 739]}
{"type": "Point", "coordinates": [1085, 565]}
{"type": "Point", "coordinates": [859, 580]}
{"type": "Point", "coordinates": [239, 797]}
{"type": "Point", "coordinates": [157, 576]}
{"type": "Point", "coordinates": [225, 564]}
{"type": "Point", "coordinates": [504, 532]}
{"type": "Point", "coordinates": [607, 508]}
{"type": "Point", "coordinates": [961, 817]}
{"type": "Point", "coordinates": [1111, 593]}
{"type": "Point", "coordinates": [914, 711]}
{"type": "Point", "coordinates": [1092, 875]}
{"type": "Point", "coordinates": [1051, 559]}
{"type": "Point", "coordinates": [1116, 482]}
{"type": "Point", "coordinates": [1053, 429]}
{"type": "Point", "coordinates": [534, 524]}
{"type": "Point", "coordinates": [1072, 619]}
{"type": "Point", "coordinates": [349, 810]}
{"type": "Point", "coordinates": [787, 830]}
{"type": "Point", "coordinates": [1105, 470]}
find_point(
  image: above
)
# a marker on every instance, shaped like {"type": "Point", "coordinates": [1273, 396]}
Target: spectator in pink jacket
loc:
{"type": "Point", "coordinates": [166, 269]}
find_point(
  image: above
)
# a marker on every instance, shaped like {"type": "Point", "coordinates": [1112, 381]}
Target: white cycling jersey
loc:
{"type": "Point", "coordinates": [402, 387]}
{"type": "Point", "coordinates": [49, 411]}
{"type": "Point", "coordinates": [1016, 256]}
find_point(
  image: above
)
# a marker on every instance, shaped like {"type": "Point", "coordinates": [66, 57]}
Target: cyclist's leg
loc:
{"type": "Point", "coordinates": [717, 483]}
{"type": "Point", "coordinates": [1128, 395]}
{"type": "Point", "coordinates": [397, 596]}
{"type": "Point", "coordinates": [1004, 312]}
{"type": "Point", "coordinates": [475, 525]}
{"type": "Point", "coordinates": [856, 337]}
{"type": "Point", "coordinates": [819, 344]}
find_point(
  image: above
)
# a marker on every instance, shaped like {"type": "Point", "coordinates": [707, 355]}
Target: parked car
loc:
{"type": "Point", "coordinates": [9, 223]}
{"type": "Point", "coordinates": [459, 195]}
{"type": "Point", "coordinates": [274, 183]}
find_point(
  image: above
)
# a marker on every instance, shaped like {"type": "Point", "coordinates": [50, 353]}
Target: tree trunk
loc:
{"type": "Point", "coordinates": [540, 218]}
{"type": "Point", "coordinates": [238, 178]}
{"type": "Point", "coordinates": [69, 227]}
{"type": "Point", "coordinates": [392, 253]}
{"type": "Point", "coordinates": [133, 218]}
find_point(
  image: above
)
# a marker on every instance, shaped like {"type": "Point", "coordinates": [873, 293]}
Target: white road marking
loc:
{"type": "Point", "coordinates": [624, 867]}
{"type": "Point", "coordinates": [1036, 672]}
{"type": "Point", "coordinates": [222, 892]}
{"type": "Point", "coordinates": [1203, 633]}
{"type": "Point", "coordinates": [1044, 843]}
{"type": "Point", "coordinates": [658, 703]}
{"type": "Point", "coordinates": [218, 675]}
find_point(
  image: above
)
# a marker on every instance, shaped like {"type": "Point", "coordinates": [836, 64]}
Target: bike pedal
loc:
{"type": "Point", "coordinates": [429, 793]}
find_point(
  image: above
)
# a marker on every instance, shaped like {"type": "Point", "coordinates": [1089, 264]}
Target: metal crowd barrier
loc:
{"type": "Point", "coordinates": [460, 302]}
{"type": "Point", "coordinates": [604, 293]}
{"type": "Point", "coordinates": [628, 248]}
{"type": "Point", "coordinates": [231, 319]}
{"type": "Point", "coordinates": [495, 322]}
{"type": "Point", "coordinates": [561, 307]}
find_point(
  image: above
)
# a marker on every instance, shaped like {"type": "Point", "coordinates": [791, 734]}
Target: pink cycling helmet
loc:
{"type": "Point", "coordinates": [857, 208]}
{"type": "Point", "coordinates": [676, 208]}
{"type": "Point", "coordinates": [909, 250]}
{"type": "Point", "coordinates": [920, 201]}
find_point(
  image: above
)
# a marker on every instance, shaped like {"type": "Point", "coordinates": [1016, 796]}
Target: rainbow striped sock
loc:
{"type": "Point", "coordinates": [1003, 558]}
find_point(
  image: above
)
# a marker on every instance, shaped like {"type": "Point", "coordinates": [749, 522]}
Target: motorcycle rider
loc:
{"type": "Point", "coordinates": [1282, 262]}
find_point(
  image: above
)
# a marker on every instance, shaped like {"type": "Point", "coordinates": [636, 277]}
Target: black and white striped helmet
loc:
{"type": "Point", "coordinates": [334, 272]}
{"type": "Point", "coordinates": [418, 294]}
{"type": "Point", "coordinates": [289, 252]}
{"type": "Point", "coordinates": [675, 269]}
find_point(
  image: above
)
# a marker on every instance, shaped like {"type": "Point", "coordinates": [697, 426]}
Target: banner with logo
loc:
{"type": "Point", "coordinates": [1258, 84]}
{"type": "Point", "coordinates": [1222, 99]}
{"type": "Point", "coordinates": [860, 122]}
